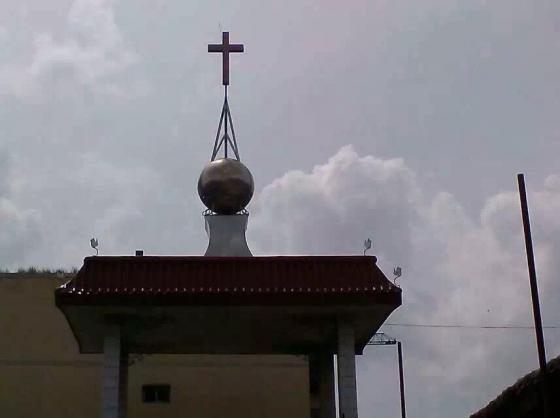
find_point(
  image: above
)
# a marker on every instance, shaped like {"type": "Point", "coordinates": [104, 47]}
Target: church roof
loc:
{"type": "Point", "coordinates": [178, 280]}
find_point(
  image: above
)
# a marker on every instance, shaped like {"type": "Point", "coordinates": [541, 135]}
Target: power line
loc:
{"type": "Point", "coordinates": [393, 324]}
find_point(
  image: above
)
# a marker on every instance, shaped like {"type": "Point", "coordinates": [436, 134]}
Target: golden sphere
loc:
{"type": "Point", "coordinates": [225, 186]}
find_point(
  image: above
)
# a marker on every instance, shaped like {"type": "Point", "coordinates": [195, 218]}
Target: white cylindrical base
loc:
{"type": "Point", "coordinates": [226, 235]}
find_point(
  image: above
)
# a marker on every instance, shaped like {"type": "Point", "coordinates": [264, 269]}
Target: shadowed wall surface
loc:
{"type": "Point", "coordinates": [42, 373]}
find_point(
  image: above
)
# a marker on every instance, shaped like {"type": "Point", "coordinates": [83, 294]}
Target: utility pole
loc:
{"type": "Point", "coordinates": [401, 379]}
{"type": "Point", "coordinates": [544, 393]}
{"type": "Point", "coordinates": [381, 338]}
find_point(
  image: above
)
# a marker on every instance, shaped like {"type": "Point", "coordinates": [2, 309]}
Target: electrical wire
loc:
{"type": "Point", "coordinates": [393, 324]}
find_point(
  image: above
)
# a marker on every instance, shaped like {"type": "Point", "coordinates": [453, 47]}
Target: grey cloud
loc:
{"type": "Point", "coordinates": [124, 207]}
{"type": "Point", "coordinates": [19, 227]}
{"type": "Point", "coordinates": [90, 50]}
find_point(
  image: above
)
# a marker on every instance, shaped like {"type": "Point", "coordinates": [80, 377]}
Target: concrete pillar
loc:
{"type": "Point", "coordinates": [321, 385]}
{"type": "Point", "coordinates": [347, 394]}
{"type": "Point", "coordinates": [123, 383]}
{"type": "Point", "coordinates": [327, 404]}
{"type": "Point", "coordinates": [114, 374]}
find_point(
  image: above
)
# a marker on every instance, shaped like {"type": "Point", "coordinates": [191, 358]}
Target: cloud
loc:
{"type": "Point", "coordinates": [86, 54]}
{"type": "Point", "coordinates": [47, 216]}
{"type": "Point", "coordinates": [19, 228]}
{"type": "Point", "coordinates": [92, 49]}
{"type": "Point", "coordinates": [124, 206]}
{"type": "Point", "coordinates": [457, 269]}
{"type": "Point", "coordinates": [357, 197]}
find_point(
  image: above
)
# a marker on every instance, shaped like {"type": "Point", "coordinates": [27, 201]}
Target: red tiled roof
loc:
{"type": "Point", "coordinates": [228, 280]}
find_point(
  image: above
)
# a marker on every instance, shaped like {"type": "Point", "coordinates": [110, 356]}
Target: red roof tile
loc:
{"type": "Point", "coordinates": [228, 280]}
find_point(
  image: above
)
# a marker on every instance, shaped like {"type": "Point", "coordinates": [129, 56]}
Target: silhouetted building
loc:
{"type": "Point", "coordinates": [522, 399]}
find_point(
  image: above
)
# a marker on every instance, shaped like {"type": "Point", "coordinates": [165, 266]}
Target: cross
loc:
{"type": "Point", "coordinates": [225, 48]}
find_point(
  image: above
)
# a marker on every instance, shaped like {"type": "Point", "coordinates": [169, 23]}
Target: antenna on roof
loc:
{"type": "Point", "coordinates": [94, 244]}
{"type": "Point", "coordinates": [367, 245]}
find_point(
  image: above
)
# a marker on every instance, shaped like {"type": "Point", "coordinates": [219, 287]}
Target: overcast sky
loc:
{"type": "Point", "coordinates": [403, 121]}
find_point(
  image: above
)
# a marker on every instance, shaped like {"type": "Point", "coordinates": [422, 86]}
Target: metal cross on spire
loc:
{"type": "Point", "coordinates": [225, 48]}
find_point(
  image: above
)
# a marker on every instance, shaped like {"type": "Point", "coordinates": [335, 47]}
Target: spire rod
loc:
{"type": "Point", "coordinates": [225, 123]}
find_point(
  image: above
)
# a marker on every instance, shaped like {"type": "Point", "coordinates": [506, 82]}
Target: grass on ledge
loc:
{"type": "Point", "coordinates": [32, 270]}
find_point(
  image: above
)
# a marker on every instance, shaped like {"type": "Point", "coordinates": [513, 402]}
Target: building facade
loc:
{"type": "Point", "coordinates": [42, 373]}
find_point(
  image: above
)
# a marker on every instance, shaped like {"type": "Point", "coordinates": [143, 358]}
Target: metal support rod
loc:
{"type": "Point", "coordinates": [225, 123]}
{"type": "Point", "coordinates": [401, 378]}
{"type": "Point", "coordinates": [225, 140]}
{"type": "Point", "coordinates": [216, 142]}
{"type": "Point", "coordinates": [234, 144]}
{"type": "Point", "coordinates": [534, 295]}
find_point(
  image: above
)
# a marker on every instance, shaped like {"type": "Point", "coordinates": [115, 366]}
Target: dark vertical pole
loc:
{"type": "Point", "coordinates": [534, 293]}
{"type": "Point", "coordinates": [225, 123]}
{"type": "Point", "coordinates": [401, 376]}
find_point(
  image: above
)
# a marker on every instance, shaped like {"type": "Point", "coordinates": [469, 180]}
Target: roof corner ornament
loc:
{"type": "Point", "coordinates": [94, 244]}
{"type": "Point", "coordinates": [397, 272]}
{"type": "Point", "coordinates": [367, 245]}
